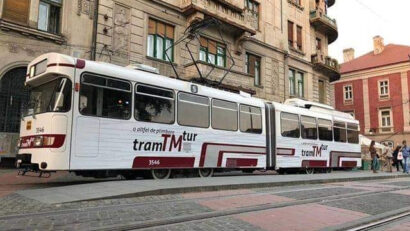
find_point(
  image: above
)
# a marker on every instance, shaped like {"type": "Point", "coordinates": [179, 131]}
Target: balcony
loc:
{"type": "Point", "coordinates": [324, 24]}
{"type": "Point", "coordinates": [326, 65]}
{"type": "Point", "coordinates": [231, 12]}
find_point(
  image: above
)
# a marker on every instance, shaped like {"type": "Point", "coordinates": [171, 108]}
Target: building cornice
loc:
{"type": "Point", "coordinates": [375, 72]}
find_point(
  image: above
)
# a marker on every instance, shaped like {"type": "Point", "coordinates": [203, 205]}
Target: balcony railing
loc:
{"type": "Point", "coordinates": [231, 12]}
{"type": "Point", "coordinates": [326, 65]}
{"type": "Point", "coordinates": [324, 24]}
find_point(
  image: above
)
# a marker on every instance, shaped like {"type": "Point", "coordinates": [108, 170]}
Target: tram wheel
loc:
{"type": "Point", "coordinates": [205, 172]}
{"type": "Point", "coordinates": [329, 170]}
{"type": "Point", "coordinates": [160, 174]}
{"type": "Point", "coordinates": [310, 170]}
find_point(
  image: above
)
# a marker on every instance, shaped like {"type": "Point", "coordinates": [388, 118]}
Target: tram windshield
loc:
{"type": "Point", "coordinates": [54, 96]}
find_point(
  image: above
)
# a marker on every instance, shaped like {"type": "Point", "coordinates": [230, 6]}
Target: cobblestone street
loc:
{"type": "Point", "coordinates": [300, 207]}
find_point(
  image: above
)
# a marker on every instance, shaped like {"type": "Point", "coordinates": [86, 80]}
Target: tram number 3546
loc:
{"type": "Point", "coordinates": [154, 162]}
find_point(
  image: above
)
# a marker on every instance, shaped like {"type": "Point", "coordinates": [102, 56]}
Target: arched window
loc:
{"type": "Point", "coordinates": [13, 98]}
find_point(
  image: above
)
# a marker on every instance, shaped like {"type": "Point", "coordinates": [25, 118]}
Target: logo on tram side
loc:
{"type": "Point", "coordinates": [316, 152]}
{"type": "Point", "coordinates": [169, 143]}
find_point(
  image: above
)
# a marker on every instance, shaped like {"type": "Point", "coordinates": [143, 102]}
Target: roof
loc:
{"type": "Point", "coordinates": [392, 54]}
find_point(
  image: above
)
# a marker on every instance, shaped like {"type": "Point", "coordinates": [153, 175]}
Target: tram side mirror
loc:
{"type": "Point", "coordinates": [83, 103]}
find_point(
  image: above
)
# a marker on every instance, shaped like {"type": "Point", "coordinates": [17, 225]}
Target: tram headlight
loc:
{"type": "Point", "coordinates": [38, 141]}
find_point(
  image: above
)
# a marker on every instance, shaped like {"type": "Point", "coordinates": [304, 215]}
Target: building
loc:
{"type": "Point", "coordinates": [279, 48]}
{"type": "Point", "coordinates": [29, 28]}
{"type": "Point", "coordinates": [374, 88]}
{"type": "Point", "coordinates": [273, 49]}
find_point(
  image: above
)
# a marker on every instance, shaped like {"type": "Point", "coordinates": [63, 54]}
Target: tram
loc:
{"type": "Point", "coordinates": [98, 119]}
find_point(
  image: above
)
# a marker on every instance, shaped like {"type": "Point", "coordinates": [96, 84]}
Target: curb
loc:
{"type": "Point", "coordinates": [356, 225]}
{"type": "Point", "coordinates": [177, 190]}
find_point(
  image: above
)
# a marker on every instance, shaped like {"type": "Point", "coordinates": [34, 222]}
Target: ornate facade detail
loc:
{"type": "Point", "coordinates": [121, 32]}
{"type": "Point", "coordinates": [85, 7]}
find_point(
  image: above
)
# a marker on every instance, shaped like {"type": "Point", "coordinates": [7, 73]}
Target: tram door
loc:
{"type": "Point", "coordinates": [270, 136]}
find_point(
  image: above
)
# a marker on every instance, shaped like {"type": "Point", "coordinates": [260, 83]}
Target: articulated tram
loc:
{"type": "Point", "coordinates": [98, 119]}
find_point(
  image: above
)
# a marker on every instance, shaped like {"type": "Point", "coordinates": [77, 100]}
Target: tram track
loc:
{"type": "Point", "coordinates": [217, 214]}
{"type": "Point", "coordinates": [126, 205]}
{"type": "Point", "coordinates": [381, 223]}
{"type": "Point", "coordinates": [199, 216]}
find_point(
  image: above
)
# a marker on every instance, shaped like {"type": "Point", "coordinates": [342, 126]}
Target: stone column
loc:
{"type": "Point", "coordinates": [405, 100]}
{"type": "Point", "coordinates": [366, 106]}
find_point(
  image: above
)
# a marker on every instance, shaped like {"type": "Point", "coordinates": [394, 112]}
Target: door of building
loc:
{"type": "Point", "coordinates": [13, 98]}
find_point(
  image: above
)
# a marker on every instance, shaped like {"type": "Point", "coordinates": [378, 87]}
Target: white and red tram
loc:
{"type": "Point", "coordinates": [98, 119]}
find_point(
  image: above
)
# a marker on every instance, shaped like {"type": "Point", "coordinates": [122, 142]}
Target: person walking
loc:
{"type": "Point", "coordinates": [388, 155]}
{"type": "Point", "coordinates": [373, 155]}
{"type": "Point", "coordinates": [398, 158]}
{"type": "Point", "coordinates": [406, 154]}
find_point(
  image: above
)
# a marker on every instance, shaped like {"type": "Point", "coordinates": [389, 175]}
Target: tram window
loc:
{"type": "Point", "coordinates": [353, 133]}
{"type": "Point", "coordinates": [224, 115]}
{"type": "Point", "coordinates": [250, 119]}
{"type": "Point", "coordinates": [325, 130]}
{"type": "Point", "coordinates": [193, 110]}
{"type": "Point", "coordinates": [290, 125]}
{"type": "Point", "coordinates": [339, 130]}
{"type": "Point", "coordinates": [154, 104]}
{"type": "Point", "coordinates": [105, 97]}
{"type": "Point", "coordinates": [309, 128]}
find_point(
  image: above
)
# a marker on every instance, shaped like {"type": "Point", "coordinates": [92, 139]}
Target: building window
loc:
{"type": "Point", "coordinates": [212, 52]}
{"type": "Point", "coordinates": [160, 38]}
{"type": "Point", "coordinates": [253, 67]}
{"type": "Point", "coordinates": [296, 83]}
{"type": "Point", "coordinates": [49, 16]}
{"type": "Point", "coordinates": [16, 11]}
{"type": "Point", "coordinates": [290, 33]}
{"type": "Point", "coordinates": [318, 44]}
{"type": "Point", "coordinates": [253, 7]}
{"type": "Point", "coordinates": [385, 121]}
{"type": "Point", "coordinates": [384, 89]}
{"type": "Point", "coordinates": [322, 90]}
{"type": "Point", "coordinates": [348, 93]}
{"type": "Point", "coordinates": [299, 40]}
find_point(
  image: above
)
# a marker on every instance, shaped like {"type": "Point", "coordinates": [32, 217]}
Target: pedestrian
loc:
{"type": "Point", "coordinates": [388, 155]}
{"type": "Point", "coordinates": [398, 158]}
{"type": "Point", "coordinates": [373, 155]}
{"type": "Point", "coordinates": [406, 153]}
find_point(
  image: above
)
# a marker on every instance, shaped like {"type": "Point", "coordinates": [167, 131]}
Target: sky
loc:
{"type": "Point", "coordinates": [360, 20]}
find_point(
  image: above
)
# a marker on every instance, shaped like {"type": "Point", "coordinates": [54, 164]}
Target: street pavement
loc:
{"type": "Point", "coordinates": [293, 207]}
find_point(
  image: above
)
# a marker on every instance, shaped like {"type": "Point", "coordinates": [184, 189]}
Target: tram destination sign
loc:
{"type": "Point", "coordinates": [38, 68]}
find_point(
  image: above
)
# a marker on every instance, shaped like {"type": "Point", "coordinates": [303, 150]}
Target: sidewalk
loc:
{"type": "Point", "coordinates": [116, 189]}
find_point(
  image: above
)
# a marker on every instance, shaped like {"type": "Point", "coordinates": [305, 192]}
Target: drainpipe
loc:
{"type": "Point", "coordinates": [285, 75]}
{"type": "Point", "coordinates": [94, 35]}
